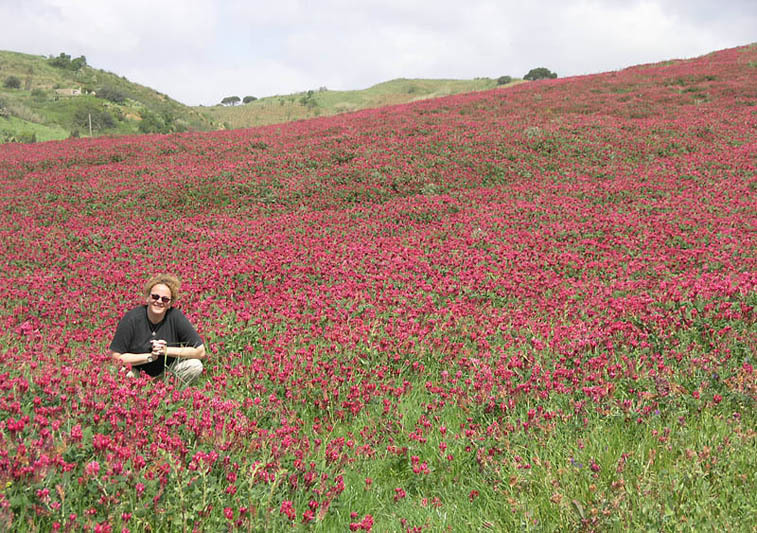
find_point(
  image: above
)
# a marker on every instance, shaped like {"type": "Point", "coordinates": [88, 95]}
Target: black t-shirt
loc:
{"type": "Point", "coordinates": [135, 331]}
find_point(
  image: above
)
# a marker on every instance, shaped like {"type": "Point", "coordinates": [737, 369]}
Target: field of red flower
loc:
{"type": "Point", "coordinates": [530, 308]}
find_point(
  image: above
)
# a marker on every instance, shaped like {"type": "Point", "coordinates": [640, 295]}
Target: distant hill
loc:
{"type": "Point", "coordinates": [45, 98]}
{"type": "Point", "coordinates": [323, 102]}
{"type": "Point", "coordinates": [49, 98]}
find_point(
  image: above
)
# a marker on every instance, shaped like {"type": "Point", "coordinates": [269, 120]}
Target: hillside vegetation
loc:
{"type": "Point", "coordinates": [521, 309]}
{"type": "Point", "coordinates": [40, 106]}
{"type": "Point", "coordinates": [324, 102]}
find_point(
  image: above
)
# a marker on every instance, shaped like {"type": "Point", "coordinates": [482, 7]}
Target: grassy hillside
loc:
{"type": "Point", "coordinates": [315, 103]}
{"type": "Point", "coordinates": [40, 106]}
{"type": "Point", "coordinates": [37, 106]}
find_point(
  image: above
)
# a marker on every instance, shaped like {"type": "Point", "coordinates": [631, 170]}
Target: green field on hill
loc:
{"type": "Point", "coordinates": [324, 102]}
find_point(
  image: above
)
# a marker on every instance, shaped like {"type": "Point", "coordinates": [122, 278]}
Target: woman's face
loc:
{"type": "Point", "coordinates": [159, 300]}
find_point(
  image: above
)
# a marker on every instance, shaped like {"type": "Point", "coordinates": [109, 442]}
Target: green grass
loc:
{"type": "Point", "coordinates": [310, 104]}
{"type": "Point", "coordinates": [684, 464]}
{"type": "Point", "coordinates": [683, 469]}
{"type": "Point", "coordinates": [14, 129]}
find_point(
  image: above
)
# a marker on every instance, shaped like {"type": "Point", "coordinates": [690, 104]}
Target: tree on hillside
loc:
{"type": "Point", "coordinates": [101, 119]}
{"type": "Point", "coordinates": [112, 94]}
{"type": "Point", "coordinates": [248, 99]}
{"type": "Point", "coordinates": [78, 63]}
{"type": "Point", "coordinates": [504, 80]}
{"type": "Point", "coordinates": [64, 61]}
{"type": "Point", "coordinates": [151, 123]}
{"type": "Point", "coordinates": [309, 99]}
{"type": "Point", "coordinates": [231, 100]}
{"type": "Point", "coordinates": [540, 73]}
{"type": "Point", "coordinates": [12, 82]}
{"type": "Point", "coordinates": [162, 122]}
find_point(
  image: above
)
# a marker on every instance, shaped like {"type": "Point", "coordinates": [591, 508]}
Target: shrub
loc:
{"type": "Point", "coordinates": [309, 100]}
{"type": "Point", "coordinates": [151, 123]}
{"type": "Point", "coordinates": [180, 125]}
{"type": "Point", "coordinates": [78, 63]}
{"type": "Point", "coordinates": [26, 137]}
{"type": "Point", "coordinates": [101, 119]}
{"type": "Point", "coordinates": [64, 61]}
{"type": "Point", "coordinates": [504, 80]}
{"type": "Point", "coordinates": [248, 99]}
{"type": "Point", "coordinates": [17, 137]}
{"type": "Point", "coordinates": [540, 73]}
{"type": "Point", "coordinates": [111, 94]}
{"type": "Point", "coordinates": [12, 82]}
{"type": "Point", "coordinates": [18, 109]}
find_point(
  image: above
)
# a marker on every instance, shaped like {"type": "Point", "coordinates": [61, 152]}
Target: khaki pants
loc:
{"type": "Point", "coordinates": [186, 370]}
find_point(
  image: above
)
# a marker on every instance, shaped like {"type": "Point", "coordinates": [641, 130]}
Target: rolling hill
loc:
{"type": "Point", "coordinates": [324, 102]}
{"type": "Point", "coordinates": [51, 98]}
{"type": "Point", "coordinates": [56, 98]}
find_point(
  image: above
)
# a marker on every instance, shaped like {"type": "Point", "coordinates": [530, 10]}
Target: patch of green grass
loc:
{"type": "Point", "coordinates": [286, 108]}
{"type": "Point", "coordinates": [675, 470]}
{"type": "Point", "coordinates": [13, 129]}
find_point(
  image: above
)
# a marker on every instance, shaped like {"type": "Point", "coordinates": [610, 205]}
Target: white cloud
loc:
{"type": "Point", "coordinates": [103, 27]}
{"type": "Point", "coordinates": [198, 51]}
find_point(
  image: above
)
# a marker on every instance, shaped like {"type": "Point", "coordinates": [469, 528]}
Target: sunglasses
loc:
{"type": "Point", "coordinates": [164, 299]}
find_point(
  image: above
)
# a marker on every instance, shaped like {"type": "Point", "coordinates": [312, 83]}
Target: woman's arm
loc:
{"type": "Point", "coordinates": [187, 352]}
{"type": "Point", "coordinates": [131, 358]}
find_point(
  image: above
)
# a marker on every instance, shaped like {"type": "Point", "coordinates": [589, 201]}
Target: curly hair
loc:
{"type": "Point", "coordinates": [169, 280]}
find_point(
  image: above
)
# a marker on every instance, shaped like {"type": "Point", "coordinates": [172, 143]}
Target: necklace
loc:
{"type": "Point", "coordinates": [153, 327]}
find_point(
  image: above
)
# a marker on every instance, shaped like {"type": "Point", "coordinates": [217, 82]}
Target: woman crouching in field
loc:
{"type": "Point", "coordinates": [156, 335]}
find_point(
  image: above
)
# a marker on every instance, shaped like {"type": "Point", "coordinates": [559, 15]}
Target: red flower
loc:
{"type": "Point", "coordinates": [287, 509]}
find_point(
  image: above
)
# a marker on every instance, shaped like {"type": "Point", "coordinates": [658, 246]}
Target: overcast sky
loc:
{"type": "Point", "coordinates": [199, 51]}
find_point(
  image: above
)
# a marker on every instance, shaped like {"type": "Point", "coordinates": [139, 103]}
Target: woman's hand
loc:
{"type": "Point", "coordinates": [159, 348]}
